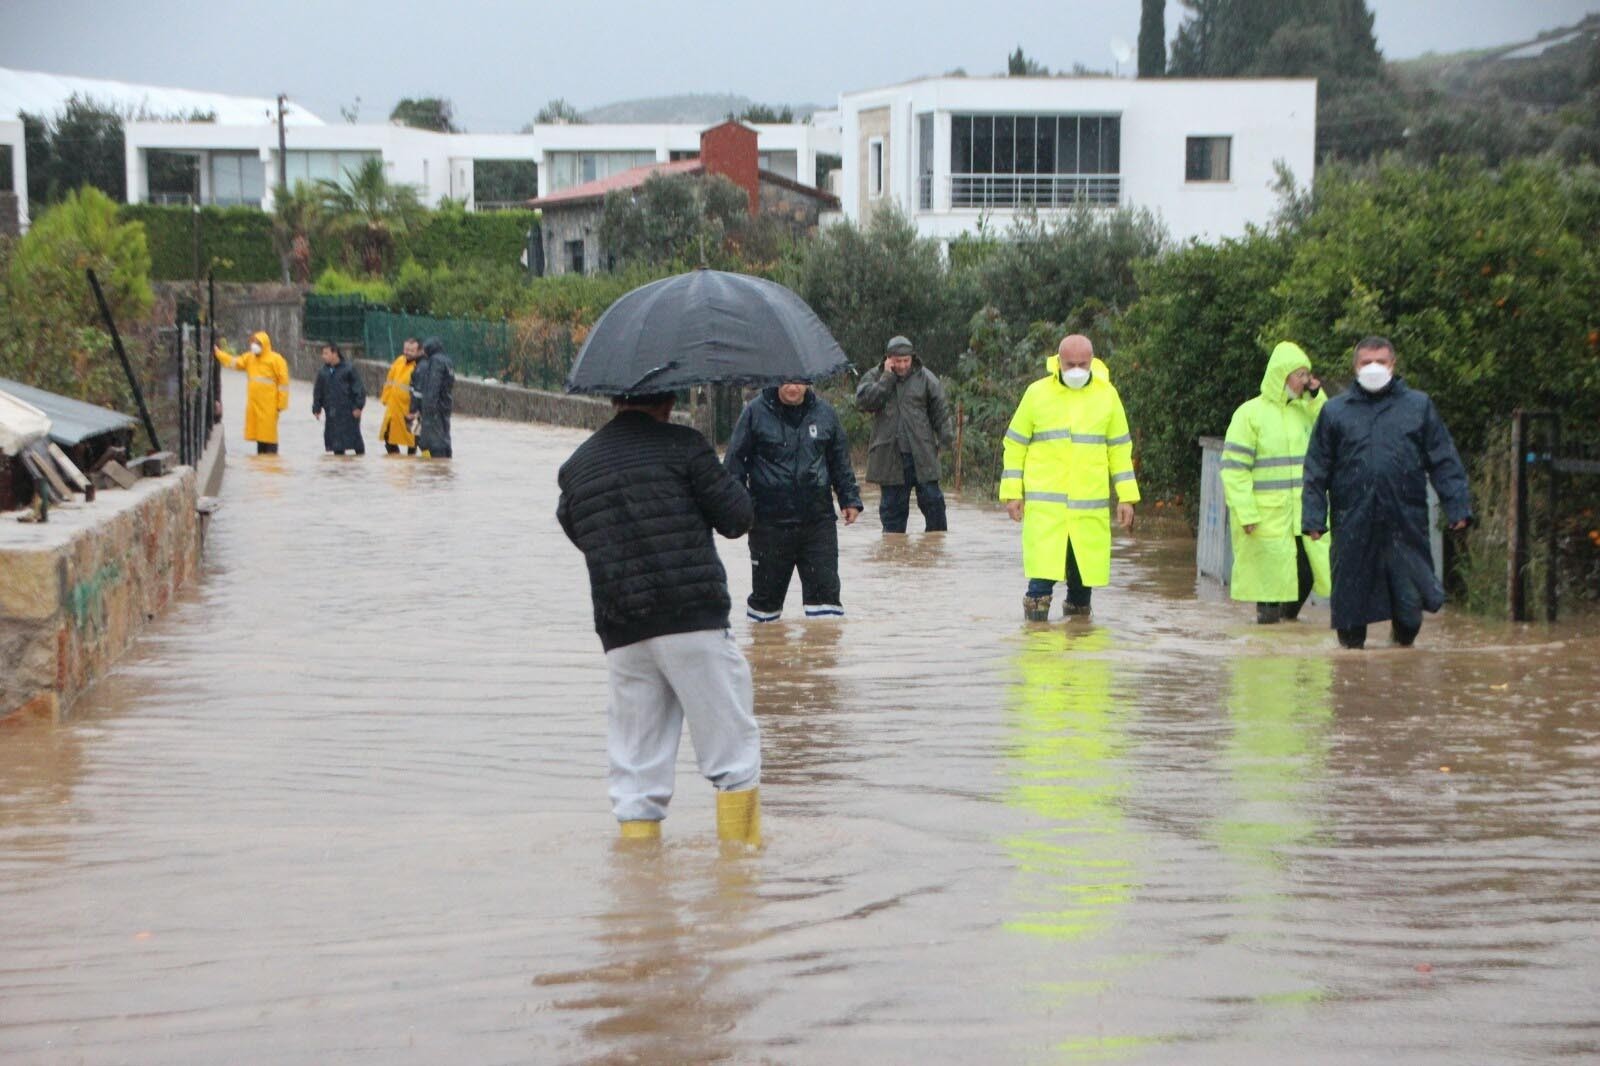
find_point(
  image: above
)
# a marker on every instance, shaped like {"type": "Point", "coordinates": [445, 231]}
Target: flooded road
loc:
{"type": "Point", "coordinates": [346, 803]}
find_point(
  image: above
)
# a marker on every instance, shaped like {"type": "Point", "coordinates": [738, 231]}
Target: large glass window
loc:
{"type": "Point", "coordinates": [1039, 160]}
{"type": "Point", "coordinates": [925, 161]}
{"type": "Point", "coordinates": [576, 168]}
{"type": "Point", "coordinates": [785, 164]}
{"type": "Point", "coordinates": [311, 167]}
{"type": "Point", "coordinates": [5, 168]}
{"type": "Point", "coordinates": [237, 178]}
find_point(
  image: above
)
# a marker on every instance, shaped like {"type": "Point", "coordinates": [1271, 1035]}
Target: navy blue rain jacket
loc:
{"type": "Point", "coordinates": [792, 459]}
{"type": "Point", "coordinates": [1369, 462]}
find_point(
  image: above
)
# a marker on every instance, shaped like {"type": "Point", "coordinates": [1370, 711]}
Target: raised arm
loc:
{"type": "Point", "coordinates": [877, 385]}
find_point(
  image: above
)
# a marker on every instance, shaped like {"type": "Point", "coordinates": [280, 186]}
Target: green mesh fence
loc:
{"type": "Point", "coordinates": [341, 319]}
{"type": "Point", "coordinates": [477, 347]}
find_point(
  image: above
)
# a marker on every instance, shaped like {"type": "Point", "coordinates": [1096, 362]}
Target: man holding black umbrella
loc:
{"type": "Point", "coordinates": [640, 499]}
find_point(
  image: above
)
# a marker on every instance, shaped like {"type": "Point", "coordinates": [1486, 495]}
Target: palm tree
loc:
{"type": "Point", "coordinates": [297, 221]}
{"type": "Point", "coordinates": [368, 212]}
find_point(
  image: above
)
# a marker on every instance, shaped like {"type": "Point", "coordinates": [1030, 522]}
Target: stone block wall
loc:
{"type": "Point", "coordinates": [76, 591]}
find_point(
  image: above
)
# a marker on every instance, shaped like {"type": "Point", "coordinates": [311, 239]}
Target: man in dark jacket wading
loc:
{"type": "Point", "coordinates": [1373, 450]}
{"type": "Point", "coordinates": [640, 499]}
{"type": "Point", "coordinates": [340, 393]}
{"type": "Point", "coordinates": [791, 452]}
{"type": "Point", "coordinates": [910, 420]}
{"type": "Point", "coordinates": [432, 389]}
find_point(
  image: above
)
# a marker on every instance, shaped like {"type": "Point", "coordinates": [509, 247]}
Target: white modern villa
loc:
{"type": "Point", "coordinates": [238, 164]}
{"type": "Point", "coordinates": [957, 152]}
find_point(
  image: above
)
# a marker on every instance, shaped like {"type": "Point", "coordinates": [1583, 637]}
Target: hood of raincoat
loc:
{"type": "Point", "coordinates": [1287, 357]}
{"type": "Point", "coordinates": [261, 338]}
{"type": "Point", "coordinates": [1100, 371]}
{"type": "Point", "coordinates": [432, 346]}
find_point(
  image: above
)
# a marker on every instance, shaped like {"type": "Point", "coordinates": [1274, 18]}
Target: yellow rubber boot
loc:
{"type": "Point", "coordinates": [640, 830]}
{"type": "Point", "coordinates": [739, 816]}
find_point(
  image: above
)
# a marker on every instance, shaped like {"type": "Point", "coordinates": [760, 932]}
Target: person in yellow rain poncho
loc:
{"type": "Point", "coordinates": [268, 392]}
{"type": "Point", "coordinates": [396, 397]}
{"type": "Point", "coordinates": [1067, 450]}
{"type": "Point", "coordinates": [1262, 461]}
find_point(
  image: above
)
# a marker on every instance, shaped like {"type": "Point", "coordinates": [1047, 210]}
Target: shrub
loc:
{"type": "Point", "coordinates": [335, 282]}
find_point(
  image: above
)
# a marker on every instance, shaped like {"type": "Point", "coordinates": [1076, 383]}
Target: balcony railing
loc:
{"type": "Point", "coordinates": [1035, 190]}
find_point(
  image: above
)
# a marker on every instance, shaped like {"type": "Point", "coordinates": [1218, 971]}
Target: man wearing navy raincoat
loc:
{"type": "Point", "coordinates": [1372, 453]}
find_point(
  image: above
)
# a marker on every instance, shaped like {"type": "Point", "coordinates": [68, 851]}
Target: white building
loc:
{"type": "Point", "coordinates": [238, 164]}
{"type": "Point", "coordinates": [14, 165]}
{"type": "Point", "coordinates": [954, 152]}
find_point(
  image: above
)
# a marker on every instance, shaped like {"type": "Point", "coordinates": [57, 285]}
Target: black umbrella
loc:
{"type": "Point", "coordinates": [702, 327]}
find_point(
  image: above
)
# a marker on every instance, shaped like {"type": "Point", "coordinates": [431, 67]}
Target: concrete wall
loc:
{"type": "Point", "coordinates": [77, 590]}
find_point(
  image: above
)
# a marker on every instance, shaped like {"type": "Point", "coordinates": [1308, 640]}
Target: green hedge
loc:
{"type": "Point", "coordinates": [454, 237]}
{"type": "Point", "coordinates": [237, 241]}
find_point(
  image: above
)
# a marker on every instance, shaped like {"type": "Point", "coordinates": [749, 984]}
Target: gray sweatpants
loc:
{"type": "Point", "coordinates": [656, 684]}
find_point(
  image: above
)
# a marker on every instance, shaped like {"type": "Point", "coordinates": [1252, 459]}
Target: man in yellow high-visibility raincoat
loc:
{"type": "Point", "coordinates": [395, 433]}
{"type": "Point", "coordinates": [1067, 451]}
{"type": "Point", "coordinates": [1262, 461]}
{"type": "Point", "coordinates": [268, 391]}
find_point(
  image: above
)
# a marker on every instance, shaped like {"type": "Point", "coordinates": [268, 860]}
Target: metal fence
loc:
{"type": "Point", "coordinates": [341, 319]}
{"type": "Point", "coordinates": [478, 347]}
{"type": "Point", "coordinates": [1034, 190]}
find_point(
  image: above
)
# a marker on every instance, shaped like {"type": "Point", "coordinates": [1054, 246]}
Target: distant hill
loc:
{"type": "Point", "coordinates": [686, 107]}
{"type": "Point", "coordinates": [1547, 72]}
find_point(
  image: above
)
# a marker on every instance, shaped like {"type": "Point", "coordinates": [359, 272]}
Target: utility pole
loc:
{"type": "Point", "coordinates": [283, 156]}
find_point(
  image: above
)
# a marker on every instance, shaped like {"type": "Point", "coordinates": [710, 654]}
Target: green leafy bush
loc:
{"type": "Point", "coordinates": [236, 242]}
{"type": "Point", "coordinates": [335, 282]}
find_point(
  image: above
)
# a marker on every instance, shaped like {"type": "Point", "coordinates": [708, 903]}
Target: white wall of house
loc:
{"type": "Point", "coordinates": [1264, 121]}
{"type": "Point", "coordinates": [11, 135]}
{"type": "Point", "coordinates": [440, 165]}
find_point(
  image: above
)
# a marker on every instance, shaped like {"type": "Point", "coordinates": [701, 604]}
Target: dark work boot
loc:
{"type": "Point", "coordinates": [1268, 614]}
{"type": "Point", "coordinates": [1355, 637]}
{"type": "Point", "coordinates": [1403, 635]}
{"type": "Point", "coordinates": [1070, 610]}
{"type": "Point", "coordinates": [1290, 612]}
{"type": "Point", "coordinates": [1036, 608]}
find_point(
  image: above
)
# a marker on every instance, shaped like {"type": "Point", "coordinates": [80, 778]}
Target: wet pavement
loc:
{"type": "Point", "coordinates": [345, 803]}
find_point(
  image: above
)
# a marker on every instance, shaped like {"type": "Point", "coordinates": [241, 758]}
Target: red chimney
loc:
{"type": "Point", "coordinates": [730, 150]}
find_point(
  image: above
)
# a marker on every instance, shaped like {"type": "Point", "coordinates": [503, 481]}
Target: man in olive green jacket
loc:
{"type": "Point", "coordinates": [911, 419]}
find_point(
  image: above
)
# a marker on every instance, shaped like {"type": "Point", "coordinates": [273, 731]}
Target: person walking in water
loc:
{"type": "Point", "coordinates": [396, 399]}
{"type": "Point", "coordinates": [790, 451]}
{"type": "Point", "coordinates": [432, 387]}
{"type": "Point", "coordinates": [1067, 451]}
{"type": "Point", "coordinates": [340, 392]}
{"type": "Point", "coordinates": [1274, 564]}
{"type": "Point", "coordinates": [640, 499]}
{"type": "Point", "coordinates": [1373, 451]}
{"type": "Point", "coordinates": [266, 395]}
{"type": "Point", "coordinates": [910, 420]}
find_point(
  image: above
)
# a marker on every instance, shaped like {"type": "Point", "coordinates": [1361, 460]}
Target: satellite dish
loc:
{"type": "Point", "coordinates": [1121, 51]}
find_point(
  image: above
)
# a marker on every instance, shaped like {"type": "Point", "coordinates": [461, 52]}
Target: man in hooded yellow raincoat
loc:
{"type": "Point", "coordinates": [1262, 461]}
{"type": "Point", "coordinates": [1067, 452]}
{"type": "Point", "coordinates": [395, 433]}
{"type": "Point", "coordinates": [267, 394]}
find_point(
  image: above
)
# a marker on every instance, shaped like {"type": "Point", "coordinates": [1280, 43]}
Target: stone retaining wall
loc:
{"type": "Point", "coordinates": [77, 590]}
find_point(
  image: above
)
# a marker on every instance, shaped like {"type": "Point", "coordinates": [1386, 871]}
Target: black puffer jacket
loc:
{"type": "Point", "coordinates": [792, 459]}
{"type": "Point", "coordinates": [640, 499]}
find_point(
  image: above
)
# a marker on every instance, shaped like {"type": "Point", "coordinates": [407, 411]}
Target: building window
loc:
{"type": "Point", "coordinates": [875, 167]}
{"type": "Point", "coordinates": [925, 161]}
{"type": "Point", "coordinates": [6, 180]}
{"type": "Point", "coordinates": [576, 168]}
{"type": "Point", "coordinates": [1208, 159]}
{"type": "Point", "coordinates": [575, 257]}
{"type": "Point", "coordinates": [312, 167]}
{"type": "Point", "coordinates": [1035, 160]}
{"type": "Point", "coordinates": [785, 164]}
{"type": "Point", "coordinates": [237, 178]}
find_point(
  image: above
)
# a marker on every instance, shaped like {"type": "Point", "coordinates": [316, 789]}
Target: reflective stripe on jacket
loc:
{"type": "Point", "coordinates": [1067, 454]}
{"type": "Point", "coordinates": [1263, 457]}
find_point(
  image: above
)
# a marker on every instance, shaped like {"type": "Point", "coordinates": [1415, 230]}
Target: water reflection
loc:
{"type": "Point", "coordinates": [795, 666]}
{"type": "Point", "coordinates": [668, 987]}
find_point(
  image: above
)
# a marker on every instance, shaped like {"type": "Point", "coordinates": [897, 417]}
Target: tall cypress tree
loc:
{"type": "Point", "coordinates": [1153, 39]}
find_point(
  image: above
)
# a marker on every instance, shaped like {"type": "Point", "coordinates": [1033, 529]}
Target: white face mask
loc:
{"type": "Point", "coordinates": [1075, 378]}
{"type": "Point", "coordinates": [1374, 376]}
{"type": "Point", "coordinates": [256, 348]}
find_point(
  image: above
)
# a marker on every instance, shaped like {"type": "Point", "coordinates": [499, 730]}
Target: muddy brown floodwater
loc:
{"type": "Point", "coordinates": [345, 803]}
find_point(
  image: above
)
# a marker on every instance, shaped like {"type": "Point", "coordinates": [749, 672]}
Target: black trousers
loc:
{"type": "Point", "coordinates": [394, 449]}
{"type": "Point", "coordinates": [894, 505]}
{"type": "Point", "coordinates": [266, 449]}
{"type": "Point", "coordinates": [777, 551]}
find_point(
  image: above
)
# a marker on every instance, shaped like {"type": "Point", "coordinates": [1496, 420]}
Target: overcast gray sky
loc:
{"type": "Point", "coordinates": [500, 60]}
